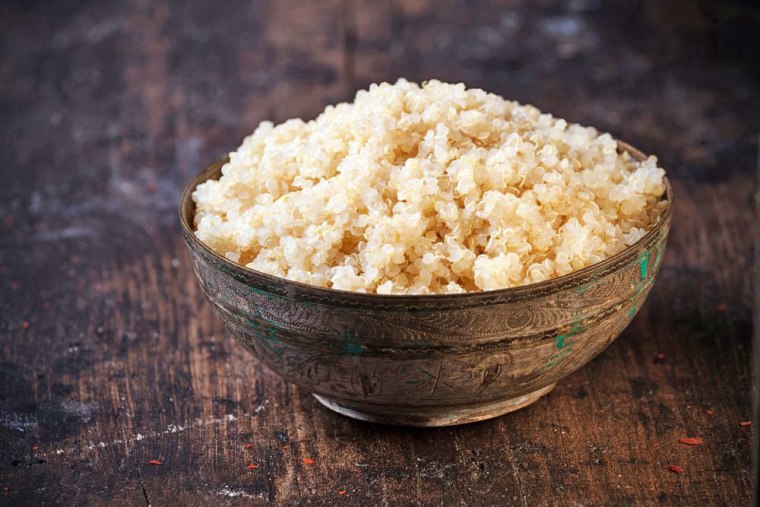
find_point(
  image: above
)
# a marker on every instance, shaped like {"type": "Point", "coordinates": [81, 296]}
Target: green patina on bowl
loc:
{"type": "Point", "coordinates": [428, 360]}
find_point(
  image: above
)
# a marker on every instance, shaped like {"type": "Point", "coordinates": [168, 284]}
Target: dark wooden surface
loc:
{"type": "Point", "coordinates": [111, 357]}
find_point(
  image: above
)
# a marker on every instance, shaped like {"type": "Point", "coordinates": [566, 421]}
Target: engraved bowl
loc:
{"type": "Point", "coordinates": [432, 360]}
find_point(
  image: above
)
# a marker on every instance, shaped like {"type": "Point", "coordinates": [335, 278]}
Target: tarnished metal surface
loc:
{"type": "Point", "coordinates": [428, 360]}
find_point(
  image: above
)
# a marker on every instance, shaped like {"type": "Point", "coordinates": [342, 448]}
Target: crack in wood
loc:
{"type": "Point", "coordinates": [142, 485]}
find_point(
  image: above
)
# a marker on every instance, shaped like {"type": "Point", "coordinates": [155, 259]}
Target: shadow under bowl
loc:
{"type": "Point", "coordinates": [432, 360]}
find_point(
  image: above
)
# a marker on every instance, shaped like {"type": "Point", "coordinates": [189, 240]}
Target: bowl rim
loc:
{"type": "Point", "coordinates": [296, 290]}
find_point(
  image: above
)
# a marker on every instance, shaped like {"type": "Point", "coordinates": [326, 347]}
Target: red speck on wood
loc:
{"type": "Point", "coordinates": [308, 461]}
{"type": "Point", "coordinates": [154, 462]}
{"type": "Point", "coordinates": [744, 424]}
{"type": "Point", "coordinates": [248, 446]}
{"type": "Point", "coordinates": [675, 469]}
{"type": "Point", "coordinates": [252, 467]}
{"type": "Point", "coordinates": [710, 411]}
{"type": "Point", "coordinates": [342, 492]}
{"type": "Point", "coordinates": [691, 440]}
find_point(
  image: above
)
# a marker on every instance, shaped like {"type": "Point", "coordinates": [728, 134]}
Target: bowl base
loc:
{"type": "Point", "coordinates": [431, 416]}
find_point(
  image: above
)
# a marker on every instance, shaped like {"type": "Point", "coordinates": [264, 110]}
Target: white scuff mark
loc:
{"type": "Point", "coordinates": [572, 34]}
{"type": "Point", "coordinates": [230, 493]}
{"type": "Point", "coordinates": [435, 470]}
{"type": "Point", "coordinates": [73, 231]}
{"type": "Point", "coordinates": [79, 409]}
{"type": "Point", "coordinates": [102, 445]}
{"type": "Point", "coordinates": [562, 26]}
{"type": "Point", "coordinates": [133, 195]}
{"type": "Point", "coordinates": [82, 411]}
{"type": "Point", "coordinates": [18, 422]}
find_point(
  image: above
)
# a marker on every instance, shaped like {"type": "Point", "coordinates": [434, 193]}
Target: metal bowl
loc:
{"type": "Point", "coordinates": [431, 360]}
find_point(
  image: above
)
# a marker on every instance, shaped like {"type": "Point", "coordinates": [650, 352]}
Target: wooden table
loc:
{"type": "Point", "coordinates": [111, 357]}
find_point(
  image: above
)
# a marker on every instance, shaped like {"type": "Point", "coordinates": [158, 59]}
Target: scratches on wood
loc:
{"type": "Point", "coordinates": [107, 111]}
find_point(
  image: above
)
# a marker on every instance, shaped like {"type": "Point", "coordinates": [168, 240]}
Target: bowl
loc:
{"type": "Point", "coordinates": [427, 360]}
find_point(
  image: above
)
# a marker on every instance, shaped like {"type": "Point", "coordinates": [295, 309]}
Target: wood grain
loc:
{"type": "Point", "coordinates": [110, 355]}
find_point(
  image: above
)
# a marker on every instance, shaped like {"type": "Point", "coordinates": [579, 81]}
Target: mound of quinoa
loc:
{"type": "Point", "coordinates": [427, 189]}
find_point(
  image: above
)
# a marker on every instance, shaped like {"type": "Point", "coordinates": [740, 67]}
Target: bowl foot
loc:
{"type": "Point", "coordinates": [431, 416]}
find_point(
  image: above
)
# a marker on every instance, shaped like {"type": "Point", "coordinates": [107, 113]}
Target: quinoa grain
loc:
{"type": "Point", "coordinates": [427, 189]}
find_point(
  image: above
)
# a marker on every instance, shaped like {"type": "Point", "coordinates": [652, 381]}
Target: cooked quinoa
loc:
{"type": "Point", "coordinates": [426, 189]}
